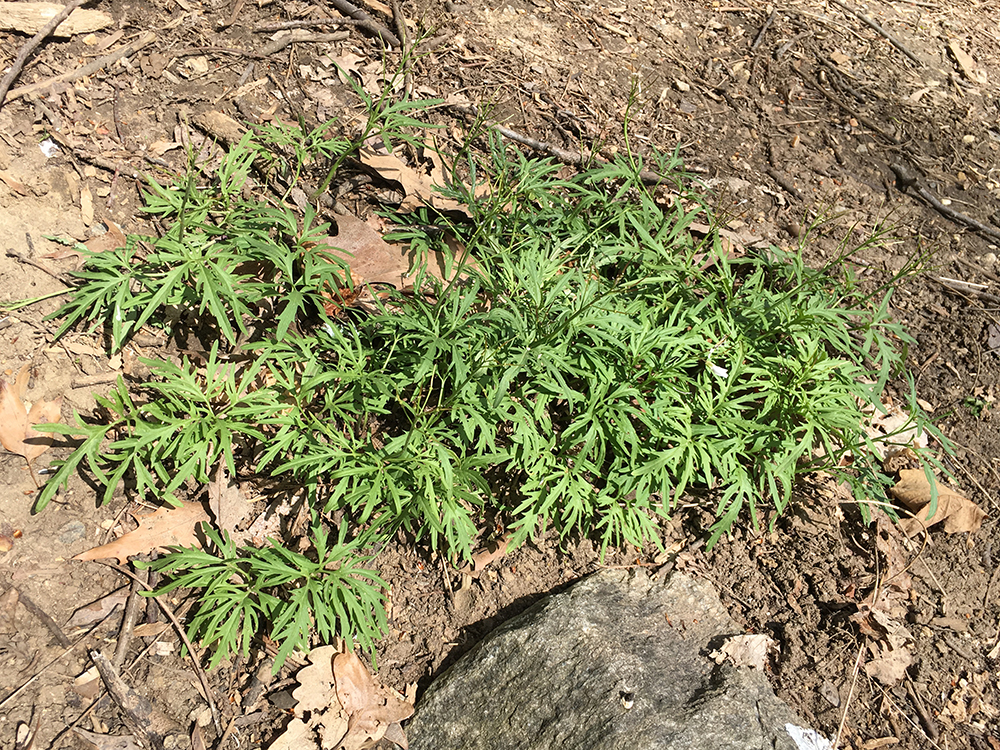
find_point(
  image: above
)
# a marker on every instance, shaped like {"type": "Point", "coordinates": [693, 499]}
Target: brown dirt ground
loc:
{"type": "Point", "coordinates": [797, 122]}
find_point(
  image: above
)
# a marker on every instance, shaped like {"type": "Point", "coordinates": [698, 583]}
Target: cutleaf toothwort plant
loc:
{"type": "Point", "coordinates": [593, 365]}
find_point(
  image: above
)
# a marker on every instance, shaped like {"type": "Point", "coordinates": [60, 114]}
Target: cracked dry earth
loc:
{"type": "Point", "coordinates": [805, 123]}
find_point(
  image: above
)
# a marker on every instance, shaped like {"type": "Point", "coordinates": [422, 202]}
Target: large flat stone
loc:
{"type": "Point", "coordinates": [616, 661]}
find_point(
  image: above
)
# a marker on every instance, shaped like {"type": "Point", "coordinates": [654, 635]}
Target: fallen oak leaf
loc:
{"type": "Point", "coordinates": [371, 710]}
{"type": "Point", "coordinates": [338, 698]}
{"type": "Point", "coordinates": [316, 698]}
{"type": "Point", "coordinates": [355, 687]}
{"type": "Point", "coordinates": [745, 650]}
{"type": "Point", "coordinates": [227, 504]}
{"type": "Point", "coordinates": [914, 491]}
{"type": "Point", "coordinates": [42, 412]}
{"type": "Point", "coordinates": [112, 239]}
{"type": "Point", "coordinates": [418, 189]}
{"type": "Point", "coordinates": [16, 422]}
{"type": "Point", "coordinates": [370, 258]}
{"type": "Point", "coordinates": [888, 664]}
{"type": "Point", "coordinates": [492, 552]}
{"type": "Point", "coordinates": [373, 260]}
{"type": "Point", "coordinates": [167, 527]}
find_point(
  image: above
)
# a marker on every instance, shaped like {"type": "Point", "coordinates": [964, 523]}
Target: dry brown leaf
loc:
{"type": "Point", "coordinates": [970, 697]}
{"type": "Point", "coordinates": [317, 697]}
{"type": "Point", "coordinates": [166, 527]}
{"type": "Point", "coordinates": [297, 736]}
{"type": "Point", "coordinates": [13, 419]}
{"type": "Point", "coordinates": [418, 188]}
{"type": "Point", "coordinates": [892, 596]}
{"type": "Point", "coordinates": [87, 205]}
{"type": "Point", "coordinates": [956, 512]}
{"type": "Point", "coordinates": [98, 610]}
{"type": "Point", "coordinates": [347, 64]}
{"type": "Point", "coordinates": [112, 239]}
{"type": "Point", "coordinates": [373, 260]}
{"type": "Point", "coordinates": [370, 258]}
{"type": "Point", "coordinates": [16, 422]}
{"type": "Point", "coordinates": [966, 63]}
{"type": "Point", "coordinates": [227, 504]}
{"type": "Point", "coordinates": [344, 704]}
{"type": "Point", "coordinates": [492, 552]}
{"type": "Point", "coordinates": [889, 419]}
{"type": "Point", "coordinates": [316, 691]}
{"type": "Point", "coordinates": [889, 644]}
{"type": "Point", "coordinates": [42, 412]}
{"type": "Point", "coordinates": [197, 738]}
{"type": "Point", "coordinates": [745, 650]}
{"type": "Point", "coordinates": [13, 184]}
{"type": "Point", "coordinates": [889, 665]}
{"type": "Point", "coordinates": [355, 687]}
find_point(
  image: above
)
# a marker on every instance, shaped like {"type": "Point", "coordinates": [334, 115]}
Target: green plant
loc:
{"type": "Point", "coordinates": [190, 419]}
{"type": "Point", "coordinates": [592, 364]}
{"type": "Point", "coordinates": [977, 407]}
{"type": "Point", "coordinates": [246, 590]}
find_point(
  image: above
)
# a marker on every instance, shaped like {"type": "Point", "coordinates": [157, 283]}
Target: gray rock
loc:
{"type": "Point", "coordinates": [616, 661]}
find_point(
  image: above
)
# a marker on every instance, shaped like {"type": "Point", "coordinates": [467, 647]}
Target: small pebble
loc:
{"type": "Point", "coordinates": [72, 532]}
{"type": "Point", "coordinates": [832, 695]}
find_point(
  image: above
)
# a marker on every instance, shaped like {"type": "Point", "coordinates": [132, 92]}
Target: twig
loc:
{"type": "Point", "coordinates": [447, 581]}
{"type": "Point", "coordinates": [237, 8]}
{"type": "Point", "coordinates": [142, 718]}
{"type": "Point", "coordinates": [38, 612]}
{"type": "Point", "coordinates": [96, 159]}
{"type": "Point", "coordinates": [855, 114]}
{"type": "Point", "coordinates": [784, 182]}
{"type": "Point", "coordinates": [97, 701]}
{"type": "Point", "coordinates": [128, 625]}
{"type": "Point", "coordinates": [850, 697]}
{"type": "Point", "coordinates": [12, 253]}
{"type": "Point", "coordinates": [566, 157]}
{"type": "Point", "coordinates": [308, 24]}
{"type": "Point", "coordinates": [967, 288]}
{"type": "Point", "coordinates": [32, 44]}
{"type": "Point", "coordinates": [989, 585]}
{"type": "Point", "coordinates": [400, 20]}
{"type": "Point", "coordinates": [979, 269]}
{"type": "Point", "coordinates": [192, 652]}
{"type": "Point", "coordinates": [905, 179]}
{"type": "Point", "coordinates": [763, 30]}
{"type": "Point", "coordinates": [88, 69]}
{"type": "Point", "coordinates": [369, 23]}
{"type": "Point", "coordinates": [299, 37]}
{"type": "Point", "coordinates": [871, 23]}
{"type": "Point", "coordinates": [925, 718]}
{"type": "Point", "coordinates": [89, 381]}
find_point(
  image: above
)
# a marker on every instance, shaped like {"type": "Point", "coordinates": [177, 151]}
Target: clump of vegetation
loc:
{"type": "Point", "coordinates": [593, 363]}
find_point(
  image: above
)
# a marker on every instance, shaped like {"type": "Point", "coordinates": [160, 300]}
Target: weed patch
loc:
{"type": "Point", "coordinates": [593, 365]}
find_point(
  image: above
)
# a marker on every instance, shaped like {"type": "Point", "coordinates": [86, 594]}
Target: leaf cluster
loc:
{"type": "Point", "coordinates": [327, 593]}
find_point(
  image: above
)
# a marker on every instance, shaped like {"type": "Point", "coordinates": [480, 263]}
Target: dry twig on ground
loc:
{"type": "Point", "coordinates": [29, 47]}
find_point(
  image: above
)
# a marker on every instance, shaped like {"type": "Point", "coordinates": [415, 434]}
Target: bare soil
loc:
{"type": "Point", "coordinates": [793, 121]}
